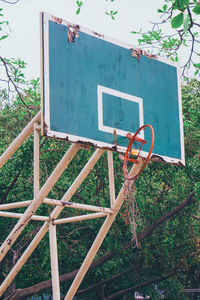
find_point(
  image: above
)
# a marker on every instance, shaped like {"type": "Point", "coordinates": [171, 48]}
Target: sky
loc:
{"type": "Point", "coordinates": [24, 32]}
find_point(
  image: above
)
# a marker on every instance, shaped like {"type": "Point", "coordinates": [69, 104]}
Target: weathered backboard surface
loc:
{"type": "Point", "coordinates": [96, 90]}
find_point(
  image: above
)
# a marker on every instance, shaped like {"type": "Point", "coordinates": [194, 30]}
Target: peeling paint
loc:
{"type": "Point", "coordinates": [150, 55]}
{"type": "Point", "coordinates": [57, 20]}
{"type": "Point", "coordinates": [160, 159]}
{"type": "Point", "coordinates": [98, 34]}
{"type": "Point", "coordinates": [72, 32]}
{"type": "Point", "coordinates": [138, 52]}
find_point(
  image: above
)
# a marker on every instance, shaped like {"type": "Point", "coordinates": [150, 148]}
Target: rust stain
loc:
{"type": "Point", "coordinates": [19, 227]}
{"type": "Point", "coordinates": [138, 52]}
{"type": "Point", "coordinates": [66, 203]}
{"type": "Point", "coordinates": [57, 20]}
{"type": "Point", "coordinates": [45, 128]}
{"type": "Point", "coordinates": [98, 34]}
{"type": "Point", "coordinates": [149, 55]}
{"type": "Point", "coordinates": [114, 148]}
{"type": "Point", "coordinates": [115, 137]}
{"type": "Point", "coordinates": [72, 32]}
{"type": "Point", "coordinates": [9, 241]}
{"type": "Point", "coordinates": [157, 158]}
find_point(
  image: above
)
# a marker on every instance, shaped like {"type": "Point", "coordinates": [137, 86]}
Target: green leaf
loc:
{"type": "Point", "coordinates": [164, 7]}
{"type": "Point", "coordinates": [197, 66]}
{"type": "Point", "coordinates": [177, 21]}
{"type": "Point", "coordinates": [79, 3]}
{"type": "Point", "coordinates": [196, 72]}
{"type": "Point", "coordinates": [3, 37]}
{"type": "Point", "coordinates": [187, 2]}
{"type": "Point", "coordinates": [78, 11]}
{"type": "Point", "coordinates": [196, 10]}
{"type": "Point", "coordinates": [180, 4]}
{"type": "Point", "coordinates": [160, 10]}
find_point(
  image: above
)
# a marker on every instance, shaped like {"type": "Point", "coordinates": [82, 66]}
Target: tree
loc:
{"type": "Point", "coordinates": [167, 197]}
{"type": "Point", "coordinates": [183, 18]}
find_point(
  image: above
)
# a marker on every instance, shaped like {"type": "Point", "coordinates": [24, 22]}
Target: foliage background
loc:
{"type": "Point", "coordinates": [167, 259]}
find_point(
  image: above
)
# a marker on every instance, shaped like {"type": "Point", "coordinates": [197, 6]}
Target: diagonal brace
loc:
{"type": "Point", "coordinates": [38, 199]}
{"type": "Point", "coordinates": [55, 213]}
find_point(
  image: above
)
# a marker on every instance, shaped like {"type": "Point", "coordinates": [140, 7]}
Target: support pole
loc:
{"type": "Point", "coordinates": [19, 140]}
{"type": "Point", "coordinates": [78, 206]}
{"type": "Point", "coordinates": [99, 239]}
{"type": "Point", "coordinates": [54, 261]}
{"type": "Point", "coordinates": [80, 218]}
{"type": "Point", "coordinates": [18, 216]}
{"type": "Point", "coordinates": [111, 178]}
{"type": "Point", "coordinates": [36, 167]}
{"type": "Point", "coordinates": [88, 167]}
{"type": "Point", "coordinates": [38, 200]}
{"type": "Point", "coordinates": [15, 205]}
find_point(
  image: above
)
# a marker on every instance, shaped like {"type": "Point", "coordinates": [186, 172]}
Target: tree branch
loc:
{"type": "Point", "coordinates": [106, 281]}
{"type": "Point", "coordinates": [16, 1]}
{"type": "Point", "coordinates": [138, 286]}
{"type": "Point", "coordinates": [9, 188]}
{"type": "Point", "coordinates": [12, 81]}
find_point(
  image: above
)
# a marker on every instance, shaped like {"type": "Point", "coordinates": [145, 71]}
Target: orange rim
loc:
{"type": "Point", "coordinates": [132, 139]}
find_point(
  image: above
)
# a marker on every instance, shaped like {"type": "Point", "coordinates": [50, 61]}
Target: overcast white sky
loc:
{"type": "Point", "coordinates": [23, 17]}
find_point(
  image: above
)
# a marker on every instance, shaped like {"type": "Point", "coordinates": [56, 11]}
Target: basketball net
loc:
{"type": "Point", "coordinates": [131, 214]}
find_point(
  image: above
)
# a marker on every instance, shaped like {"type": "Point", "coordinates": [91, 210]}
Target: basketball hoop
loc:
{"type": "Point", "coordinates": [136, 153]}
{"type": "Point", "coordinates": [131, 213]}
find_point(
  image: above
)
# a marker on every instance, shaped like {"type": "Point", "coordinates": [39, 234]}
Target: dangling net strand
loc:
{"type": "Point", "coordinates": [131, 214]}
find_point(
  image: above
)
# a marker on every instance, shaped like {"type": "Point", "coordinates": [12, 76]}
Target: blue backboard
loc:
{"type": "Point", "coordinates": [95, 90]}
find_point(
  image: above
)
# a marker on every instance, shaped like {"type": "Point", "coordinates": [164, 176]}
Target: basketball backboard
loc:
{"type": "Point", "coordinates": [96, 90]}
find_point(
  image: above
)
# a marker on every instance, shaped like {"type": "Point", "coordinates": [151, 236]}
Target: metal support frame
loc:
{"type": "Point", "coordinates": [52, 220]}
{"type": "Point", "coordinates": [54, 261]}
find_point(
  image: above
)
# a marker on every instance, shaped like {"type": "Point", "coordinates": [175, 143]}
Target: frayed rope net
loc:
{"type": "Point", "coordinates": [130, 212]}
